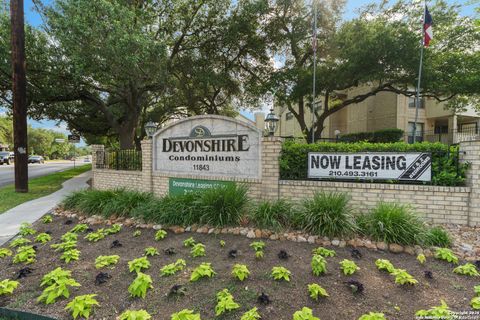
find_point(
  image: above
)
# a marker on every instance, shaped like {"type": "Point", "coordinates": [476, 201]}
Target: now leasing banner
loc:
{"type": "Point", "coordinates": [368, 166]}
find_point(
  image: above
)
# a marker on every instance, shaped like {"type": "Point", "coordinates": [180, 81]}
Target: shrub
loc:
{"type": "Point", "coordinates": [185, 314]}
{"type": "Point", "coordinates": [274, 215]}
{"type": "Point", "coordinates": [304, 314]}
{"type": "Point", "coordinates": [281, 273]}
{"type": "Point", "coordinates": [379, 136]}
{"type": "Point", "coordinates": [139, 286]}
{"type": "Point", "coordinates": [203, 270]}
{"type": "Point", "coordinates": [348, 267]}
{"type": "Point", "coordinates": [225, 302]}
{"type": "Point", "coordinates": [437, 237]}
{"type": "Point", "coordinates": [135, 315]}
{"type": "Point", "coordinates": [393, 223]}
{"type": "Point", "coordinates": [82, 305]}
{"type": "Point", "coordinates": [446, 255]}
{"type": "Point", "coordinates": [7, 286]}
{"type": "Point", "coordinates": [316, 291]}
{"type": "Point", "coordinates": [293, 160]}
{"type": "Point", "coordinates": [327, 214]}
{"type": "Point", "coordinates": [222, 206]}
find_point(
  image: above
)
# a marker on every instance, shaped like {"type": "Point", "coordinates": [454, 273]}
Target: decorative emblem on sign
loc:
{"type": "Point", "coordinates": [200, 132]}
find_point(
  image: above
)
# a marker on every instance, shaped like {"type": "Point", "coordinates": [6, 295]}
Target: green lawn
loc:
{"type": "Point", "coordinates": [38, 187]}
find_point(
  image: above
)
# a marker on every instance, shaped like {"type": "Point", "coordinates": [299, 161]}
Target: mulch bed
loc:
{"type": "Point", "coordinates": [381, 294]}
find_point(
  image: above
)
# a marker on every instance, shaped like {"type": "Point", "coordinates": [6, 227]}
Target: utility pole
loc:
{"type": "Point", "coordinates": [19, 96]}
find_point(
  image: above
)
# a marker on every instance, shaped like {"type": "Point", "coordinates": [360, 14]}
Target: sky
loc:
{"type": "Point", "coordinates": [351, 11]}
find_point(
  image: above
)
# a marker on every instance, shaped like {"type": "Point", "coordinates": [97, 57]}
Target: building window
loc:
{"type": "Point", "coordinates": [418, 132]}
{"type": "Point", "coordinates": [288, 116]}
{"type": "Point", "coordinates": [411, 102]}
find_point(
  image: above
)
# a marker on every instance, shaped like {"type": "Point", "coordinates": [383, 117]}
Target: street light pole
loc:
{"type": "Point", "coordinates": [19, 96]}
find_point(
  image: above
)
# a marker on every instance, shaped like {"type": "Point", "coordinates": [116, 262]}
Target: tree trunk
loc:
{"type": "Point", "coordinates": [126, 134]}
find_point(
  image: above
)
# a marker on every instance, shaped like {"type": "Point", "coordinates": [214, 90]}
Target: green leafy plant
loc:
{"type": "Point", "coordinates": [198, 250]}
{"type": "Point", "coordinates": [258, 246]}
{"type": "Point", "coordinates": [19, 242]}
{"type": "Point", "coordinates": [348, 267]}
{"type": "Point", "coordinates": [259, 254]}
{"type": "Point", "coordinates": [95, 236]}
{"type": "Point", "coordinates": [225, 302]}
{"type": "Point", "coordinates": [475, 303]}
{"type": "Point", "coordinates": [70, 255]}
{"type": "Point", "coordinates": [116, 228]}
{"type": "Point", "coordinates": [135, 315]}
{"type": "Point", "coordinates": [57, 283]}
{"type": "Point", "coordinates": [384, 264]}
{"type": "Point", "coordinates": [69, 236]}
{"type": "Point", "coordinates": [318, 264]}
{"type": "Point", "coordinates": [203, 270]}
{"type": "Point", "coordinates": [421, 258]}
{"type": "Point", "coordinates": [403, 277]}
{"type": "Point", "coordinates": [43, 238]}
{"type": "Point", "coordinates": [140, 285]}
{"type": "Point", "coordinates": [26, 230]}
{"type": "Point", "coordinates": [64, 246]}
{"type": "Point", "coordinates": [151, 251]}
{"type": "Point", "coordinates": [190, 242]}
{"type": "Point", "coordinates": [138, 264]}
{"type": "Point", "coordinates": [327, 214]}
{"type": "Point", "coordinates": [25, 254]}
{"type": "Point", "coordinates": [240, 271]}
{"type": "Point", "coordinates": [446, 255]}
{"type": "Point", "coordinates": [222, 206]}
{"type": "Point", "coordinates": [468, 269]}
{"type": "Point", "coordinates": [437, 312]}
{"type": "Point", "coordinates": [279, 273]}
{"type": "Point", "coordinates": [172, 268]}
{"type": "Point", "coordinates": [7, 286]}
{"type": "Point", "coordinates": [47, 219]}
{"type": "Point", "coordinates": [222, 243]}
{"type": "Point", "coordinates": [160, 235]}
{"type": "Point", "coordinates": [324, 252]}
{"type": "Point", "coordinates": [81, 306]}
{"type": "Point", "coordinates": [477, 290]}
{"type": "Point", "coordinates": [251, 314]}
{"type": "Point", "coordinates": [82, 227]}
{"type": "Point", "coordinates": [105, 261]}
{"type": "Point", "coordinates": [4, 252]}
{"type": "Point", "coordinates": [304, 314]}
{"type": "Point", "coordinates": [373, 316]}
{"type": "Point", "coordinates": [316, 291]}
{"type": "Point", "coordinates": [392, 223]}
{"type": "Point", "coordinates": [274, 215]}
{"type": "Point", "coordinates": [185, 314]}
{"type": "Point", "coordinates": [437, 237]}
{"type": "Point", "coordinates": [137, 233]}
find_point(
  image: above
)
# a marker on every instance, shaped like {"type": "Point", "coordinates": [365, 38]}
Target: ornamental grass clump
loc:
{"type": "Point", "coordinates": [274, 215]}
{"type": "Point", "coordinates": [327, 214]}
{"type": "Point", "coordinates": [392, 223]}
{"type": "Point", "coordinates": [437, 237]}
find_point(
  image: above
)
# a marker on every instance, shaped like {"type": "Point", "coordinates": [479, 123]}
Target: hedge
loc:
{"type": "Point", "coordinates": [379, 136]}
{"type": "Point", "coordinates": [445, 168]}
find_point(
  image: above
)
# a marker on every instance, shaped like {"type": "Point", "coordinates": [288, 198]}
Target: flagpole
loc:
{"type": "Point", "coordinates": [417, 100]}
{"type": "Point", "coordinates": [314, 66]}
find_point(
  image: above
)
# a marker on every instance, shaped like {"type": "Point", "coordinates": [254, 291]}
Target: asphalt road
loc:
{"type": "Point", "coordinates": [34, 170]}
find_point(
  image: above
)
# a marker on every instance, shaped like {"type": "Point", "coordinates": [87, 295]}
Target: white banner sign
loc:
{"type": "Point", "coordinates": [381, 166]}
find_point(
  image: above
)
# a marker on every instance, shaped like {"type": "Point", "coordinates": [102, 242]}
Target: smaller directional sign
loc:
{"type": "Point", "coordinates": [73, 138]}
{"type": "Point", "coordinates": [59, 140]}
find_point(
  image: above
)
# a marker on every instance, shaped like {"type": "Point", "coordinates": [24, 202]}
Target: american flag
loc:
{"type": "Point", "coordinates": [427, 28]}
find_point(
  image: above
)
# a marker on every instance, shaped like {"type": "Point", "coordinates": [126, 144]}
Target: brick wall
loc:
{"type": "Point", "coordinates": [459, 205]}
{"type": "Point", "coordinates": [435, 204]}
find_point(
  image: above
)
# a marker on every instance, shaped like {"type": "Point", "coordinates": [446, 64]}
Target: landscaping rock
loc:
{"type": "Point", "coordinates": [258, 233]}
{"type": "Point", "coordinates": [128, 222]}
{"type": "Point", "coordinates": [382, 246]}
{"type": "Point", "coordinates": [311, 239]}
{"type": "Point", "coordinates": [370, 245]}
{"type": "Point", "coordinates": [251, 234]}
{"type": "Point", "coordinates": [342, 244]}
{"type": "Point", "coordinates": [244, 231]}
{"type": "Point", "coordinates": [274, 237]}
{"type": "Point", "coordinates": [410, 250]}
{"type": "Point", "coordinates": [301, 239]}
{"type": "Point", "coordinates": [395, 248]}
{"type": "Point", "coordinates": [335, 242]}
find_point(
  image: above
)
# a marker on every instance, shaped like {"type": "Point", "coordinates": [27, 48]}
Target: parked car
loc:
{"type": "Point", "coordinates": [36, 159]}
{"type": "Point", "coordinates": [5, 157]}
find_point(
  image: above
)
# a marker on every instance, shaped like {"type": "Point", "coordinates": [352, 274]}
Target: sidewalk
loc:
{"type": "Point", "coordinates": [33, 210]}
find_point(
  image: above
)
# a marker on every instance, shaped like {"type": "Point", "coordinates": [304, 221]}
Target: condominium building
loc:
{"type": "Point", "coordinates": [389, 110]}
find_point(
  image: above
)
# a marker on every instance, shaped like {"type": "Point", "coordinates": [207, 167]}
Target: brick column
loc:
{"type": "Point", "coordinates": [271, 147]}
{"type": "Point", "coordinates": [470, 153]}
{"type": "Point", "coordinates": [98, 151]}
{"type": "Point", "coordinates": [147, 185]}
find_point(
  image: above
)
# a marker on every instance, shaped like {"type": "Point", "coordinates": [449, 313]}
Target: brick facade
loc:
{"type": "Point", "coordinates": [436, 204]}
